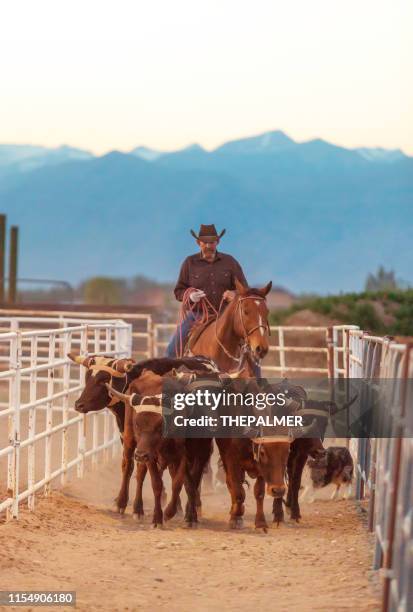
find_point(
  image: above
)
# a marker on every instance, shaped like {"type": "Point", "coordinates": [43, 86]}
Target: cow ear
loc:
{"type": "Point", "coordinates": [265, 290]}
{"type": "Point", "coordinates": [240, 287]}
{"type": "Point", "coordinates": [126, 365]}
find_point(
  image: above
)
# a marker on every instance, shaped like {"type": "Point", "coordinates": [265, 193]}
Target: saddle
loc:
{"type": "Point", "coordinates": [195, 333]}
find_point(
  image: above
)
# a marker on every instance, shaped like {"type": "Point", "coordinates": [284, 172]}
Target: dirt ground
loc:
{"type": "Point", "coordinates": [73, 541]}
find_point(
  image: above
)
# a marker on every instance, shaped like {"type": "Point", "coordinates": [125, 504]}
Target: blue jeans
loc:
{"type": "Point", "coordinates": [182, 330]}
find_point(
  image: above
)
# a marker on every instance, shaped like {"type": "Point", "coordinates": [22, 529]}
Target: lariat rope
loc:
{"type": "Point", "coordinates": [203, 306]}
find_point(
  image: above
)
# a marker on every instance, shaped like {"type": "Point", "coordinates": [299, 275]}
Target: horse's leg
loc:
{"type": "Point", "coordinates": [198, 453]}
{"type": "Point", "coordinates": [207, 478]}
{"type": "Point", "coordinates": [235, 478]}
{"type": "Point", "coordinates": [290, 465]}
{"type": "Point", "coordinates": [178, 477]}
{"type": "Point", "coordinates": [172, 469]}
{"type": "Point", "coordinates": [259, 494]}
{"type": "Point", "coordinates": [156, 479]}
{"type": "Point", "coordinates": [129, 446]}
{"type": "Point", "coordinates": [297, 471]}
{"type": "Point", "coordinates": [141, 469]}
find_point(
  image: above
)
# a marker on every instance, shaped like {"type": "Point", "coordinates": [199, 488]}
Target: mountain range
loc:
{"type": "Point", "coordinates": [312, 216]}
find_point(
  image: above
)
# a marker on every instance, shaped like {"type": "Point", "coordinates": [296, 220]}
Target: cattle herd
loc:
{"type": "Point", "coordinates": [133, 392]}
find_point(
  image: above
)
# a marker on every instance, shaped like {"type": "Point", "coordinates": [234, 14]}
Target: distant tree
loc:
{"type": "Point", "coordinates": [383, 280]}
{"type": "Point", "coordinates": [103, 290]}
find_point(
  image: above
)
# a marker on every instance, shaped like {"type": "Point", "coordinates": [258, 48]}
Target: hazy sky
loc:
{"type": "Point", "coordinates": [115, 74]}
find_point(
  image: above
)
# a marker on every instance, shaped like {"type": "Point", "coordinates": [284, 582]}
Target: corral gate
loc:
{"type": "Point", "coordinates": [41, 437]}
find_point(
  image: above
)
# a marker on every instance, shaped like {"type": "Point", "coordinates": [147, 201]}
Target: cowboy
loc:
{"type": "Point", "coordinates": [211, 274]}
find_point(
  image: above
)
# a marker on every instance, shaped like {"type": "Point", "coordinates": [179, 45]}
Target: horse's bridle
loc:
{"type": "Point", "coordinates": [246, 333]}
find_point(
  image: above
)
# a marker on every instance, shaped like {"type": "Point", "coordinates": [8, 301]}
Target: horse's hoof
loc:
{"type": "Point", "coordinates": [121, 511]}
{"type": "Point", "coordinates": [190, 525]}
{"type": "Point", "coordinates": [295, 516]}
{"type": "Point", "coordinates": [263, 528]}
{"type": "Point", "coordinates": [236, 523]}
{"type": "Point", "coordinates": [137, 516]}
{"type": "Point", "coordinates": [168, 514]}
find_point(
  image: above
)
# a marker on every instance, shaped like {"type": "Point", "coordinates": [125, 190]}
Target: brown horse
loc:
{"type": "Point", "coordinates": [243, 322]}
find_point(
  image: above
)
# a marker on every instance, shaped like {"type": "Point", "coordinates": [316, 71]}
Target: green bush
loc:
{"type": "Point", "coordinates": [358, 309]}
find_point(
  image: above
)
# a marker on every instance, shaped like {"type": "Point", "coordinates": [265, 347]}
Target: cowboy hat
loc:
{"type": "Point", "coordinates": [207, 233]}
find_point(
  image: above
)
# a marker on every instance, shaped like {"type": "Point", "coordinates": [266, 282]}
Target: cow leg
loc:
{"type": "Point", "coordinates": [141, 469]}
{"type": "Point", "coordinates": [277, 511]}
{"type": "Point", "coordinates": [127, 469]}
{"type": "Point", "coordinates": [259, 494]}
{"type": "Point", "coordinates": [178, 477]}
{"type": "Point", "coordinates": [297, 472]}
{"type": "Point", "coordinates": [157, 487]}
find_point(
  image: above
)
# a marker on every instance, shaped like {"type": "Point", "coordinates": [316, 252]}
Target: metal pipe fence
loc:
{"type": "Point", "coordinates": [384, 467]}
{"type": "Point", "coordinates": [38, 385]}
{"type": "Point", "coordinates": [41, 437]}
{"type": "Point", "coordinates": [283, 358]}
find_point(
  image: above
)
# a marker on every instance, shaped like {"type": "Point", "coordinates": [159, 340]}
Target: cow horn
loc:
{"type": "Point", "coordinates": [346, 405]}
{"type": "Point", "coordinates": [306, 430]}
{"type": "Point", "coordinates": [123, 397]}
{"type": "Point", "coordinates": [79, 359]}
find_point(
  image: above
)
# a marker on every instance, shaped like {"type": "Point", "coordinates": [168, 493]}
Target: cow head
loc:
{"type": "Point", "coordinates": [271, 454]}
{"type": "Point", "coordinates": [100, 370]}
{"type": "Point", "coordinates": [147, 417]}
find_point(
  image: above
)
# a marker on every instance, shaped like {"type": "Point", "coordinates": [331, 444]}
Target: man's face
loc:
{"type": "Point", "coordinates": [208, 249]}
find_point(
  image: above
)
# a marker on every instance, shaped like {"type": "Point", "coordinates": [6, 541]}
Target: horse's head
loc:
{"type": "Point", "coordinates": [251, 318]}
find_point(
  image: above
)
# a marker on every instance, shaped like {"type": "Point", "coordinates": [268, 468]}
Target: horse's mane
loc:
{"type": "Point", "coordinates": [252, 291]}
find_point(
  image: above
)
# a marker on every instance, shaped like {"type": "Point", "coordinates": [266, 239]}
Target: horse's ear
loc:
{"type": "Point", "coordinates": [265, 290]}
{"type": "Point", "coordinates": [240, 287]}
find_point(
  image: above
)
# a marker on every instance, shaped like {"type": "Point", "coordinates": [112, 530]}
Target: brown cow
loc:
{"type": "Point", "coordinates": [263, 460]}
{"type": "Point", "coordinates": [186, 458]}
{"type": "Point", "coordinates": [143, 437]}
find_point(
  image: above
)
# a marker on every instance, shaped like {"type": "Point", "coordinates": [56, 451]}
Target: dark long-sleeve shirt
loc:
{"type": "Point", "coordinates": [214, 278]}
